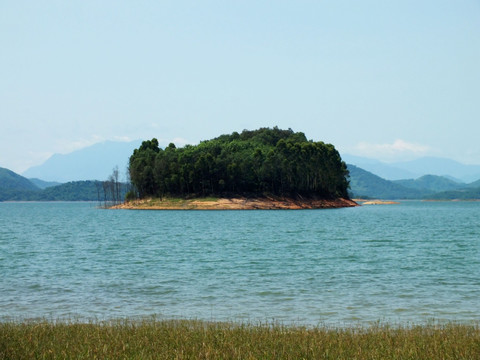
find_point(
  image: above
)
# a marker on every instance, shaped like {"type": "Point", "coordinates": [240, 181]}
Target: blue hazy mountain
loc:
{"type": "Point", "coordinates": [431, 183]}
{"type": "Point", "coordinates": [95, 162]}
{"type": "Point", "coordinates": [364, 184]}
{"type": "Point", "coordinates": [441, 167]}
{"type": "Point", "coordinates": [43, 184]}
{"type": "Point", "coordinates": [416, 168]}
{"type": "Point", "coordinates": [475, 184]}
{"type": "Point", "coordinates": [384, 170]}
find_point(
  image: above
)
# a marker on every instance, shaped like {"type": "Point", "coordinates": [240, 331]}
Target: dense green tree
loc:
{"type": "Point", "coordinates": [258, 162]}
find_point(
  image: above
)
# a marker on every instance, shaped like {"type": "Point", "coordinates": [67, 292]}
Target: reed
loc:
{"type": "Point", "coordinates": [190, 339]}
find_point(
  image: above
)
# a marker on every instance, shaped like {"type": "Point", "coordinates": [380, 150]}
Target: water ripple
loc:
{"type": "Point", "coordinates": [411, 262]}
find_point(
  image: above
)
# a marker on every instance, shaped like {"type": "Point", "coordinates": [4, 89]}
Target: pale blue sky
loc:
{"type": "Point", "coordinates": [391, 80]}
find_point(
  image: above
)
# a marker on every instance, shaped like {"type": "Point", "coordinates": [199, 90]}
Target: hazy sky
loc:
{"type": "Point", "coordinates": [388, 79]}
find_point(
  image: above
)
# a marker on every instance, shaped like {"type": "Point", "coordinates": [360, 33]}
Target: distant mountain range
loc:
{"type": "Point", "coordinates": [14, 187]}
{"type": "Point", "coordinates": [364, 184]}
{"type": "Point", "coordinates": [431, 183]}
{"type": "Point", "coordinates": [417, 168]}
{"type": "Point", "coordinates": [95, 162]}
{"type": "Point", "coordinates": [369, 178]}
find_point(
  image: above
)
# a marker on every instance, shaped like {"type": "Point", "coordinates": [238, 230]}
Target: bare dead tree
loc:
{"type": "Point", "coordinates": [98, 186]}
{"type": "Point", "coordinates": [105, 193]}
{"type": "Point", "coordinates": [117, 185]}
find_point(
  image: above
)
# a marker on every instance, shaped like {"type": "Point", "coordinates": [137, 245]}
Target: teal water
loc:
{"type": "Point", "coordinates": [411, 262]}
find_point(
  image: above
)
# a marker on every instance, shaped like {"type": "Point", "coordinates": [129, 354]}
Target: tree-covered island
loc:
{"type": "Point", "coordinates": [275, 164]}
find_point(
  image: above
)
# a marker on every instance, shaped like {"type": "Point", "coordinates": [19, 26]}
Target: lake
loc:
{"type": "Point", "coordinates": [408, 263]}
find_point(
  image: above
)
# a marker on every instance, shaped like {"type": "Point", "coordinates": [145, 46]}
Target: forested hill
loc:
{"type": "Point", "coordinates": [14, 182]}
{"type": "Point", "coordinates": [255, 163]}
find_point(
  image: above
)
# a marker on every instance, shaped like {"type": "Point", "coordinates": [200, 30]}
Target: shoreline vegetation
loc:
{"type": "Point", "coordinates": [195, 339]}
{"type": "Point", "coordinates": [235, 203]}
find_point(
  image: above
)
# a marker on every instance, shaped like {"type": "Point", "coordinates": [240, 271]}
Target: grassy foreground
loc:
{"type": "Point", "coordinates": [152, 339]}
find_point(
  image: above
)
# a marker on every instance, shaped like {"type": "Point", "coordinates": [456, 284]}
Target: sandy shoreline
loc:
{"type": "Point", "coordinates": [238, 203]}
{"type": "Point", "coordinates": [380, 202]}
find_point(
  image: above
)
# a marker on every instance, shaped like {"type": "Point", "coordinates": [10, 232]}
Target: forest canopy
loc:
{"type": "Point", "coordinates": [267, 161]}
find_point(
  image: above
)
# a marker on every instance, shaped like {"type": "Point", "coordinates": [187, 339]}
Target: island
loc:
{"type": "Point", "coordinates": [268, 168]}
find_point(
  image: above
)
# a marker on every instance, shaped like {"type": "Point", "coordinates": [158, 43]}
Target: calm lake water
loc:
{"type": "Point", "coordinates": [411, 262]}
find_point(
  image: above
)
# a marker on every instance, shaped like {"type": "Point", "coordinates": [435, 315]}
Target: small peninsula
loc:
{"type": "Point", "coordinates": [268, 168]}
